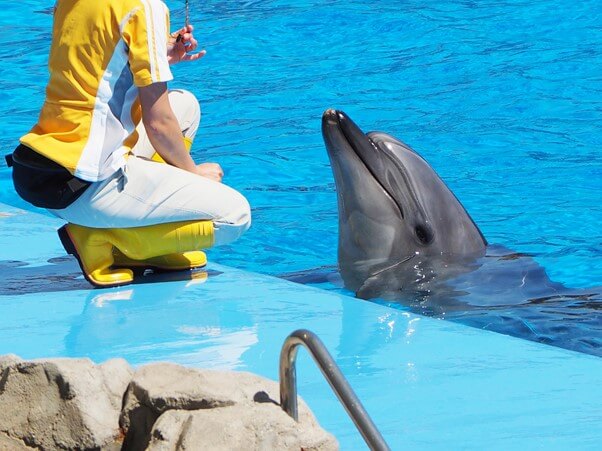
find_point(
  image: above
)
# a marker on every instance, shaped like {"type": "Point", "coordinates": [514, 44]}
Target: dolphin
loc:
{"type": "Point", "coordinates": [404, 237]}
{"type": "Point", "coordinates": [394, 211]}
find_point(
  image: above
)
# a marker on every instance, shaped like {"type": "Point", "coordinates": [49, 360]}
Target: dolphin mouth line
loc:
{"type": "Point", "coordinates": [353, 145]}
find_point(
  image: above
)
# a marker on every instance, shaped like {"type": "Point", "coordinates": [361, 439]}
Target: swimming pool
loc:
{"type": "Point", "coordinates": [504, 99]}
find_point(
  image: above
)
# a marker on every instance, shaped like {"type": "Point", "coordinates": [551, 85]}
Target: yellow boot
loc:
{"type": "Point", "coordinates": [94, 254]}
{"type": "Point", "coordinates": [94, 247]}
{"type": "Point", "coordinates": [171, 262]}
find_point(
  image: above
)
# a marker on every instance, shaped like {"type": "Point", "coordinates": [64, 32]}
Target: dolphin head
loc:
{"type": "Point", "coordinates": [393, 208]}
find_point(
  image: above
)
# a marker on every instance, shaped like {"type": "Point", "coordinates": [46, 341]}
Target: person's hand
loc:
{"type": "Point", "coordinates": [212, 171]}
{"type": "Point", "coordinates": [181, 44]}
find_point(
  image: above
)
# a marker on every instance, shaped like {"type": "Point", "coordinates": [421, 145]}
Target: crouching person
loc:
{"type": "Point", "coordinates": [110, 151]}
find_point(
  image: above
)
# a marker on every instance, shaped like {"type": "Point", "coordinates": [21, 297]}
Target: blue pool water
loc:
{"type": "Point", "coordinates": [504, 99]}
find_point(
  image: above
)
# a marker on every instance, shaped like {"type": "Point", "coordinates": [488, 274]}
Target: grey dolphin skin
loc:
{"type": "Point", "coordinates": [405, 238]}
{"type": "Point", "coordinates": [394, 210]}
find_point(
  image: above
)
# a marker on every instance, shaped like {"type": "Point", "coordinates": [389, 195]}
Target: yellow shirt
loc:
{"type": "Point", "coordinates": [101, 52]}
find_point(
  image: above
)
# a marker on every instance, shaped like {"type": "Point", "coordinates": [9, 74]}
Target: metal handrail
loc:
{"type": "Point", "coordinates": [332, 373]}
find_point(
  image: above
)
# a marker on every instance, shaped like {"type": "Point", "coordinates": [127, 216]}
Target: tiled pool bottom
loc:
{"type": "Point", "coordinates": [427, 384]}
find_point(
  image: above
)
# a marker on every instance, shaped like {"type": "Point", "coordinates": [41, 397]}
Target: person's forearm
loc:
{"type": "Point", "coordinates": [166, 137]}
{"type": "Point", "coordinates": [162, 126]}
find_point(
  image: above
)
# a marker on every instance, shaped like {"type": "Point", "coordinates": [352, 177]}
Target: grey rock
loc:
{"type": "Point", "coordinates": [258, 427]}
{"type": "Point", "coordinates": [9, 443]}
{"type": "Point", "coordinates": [169, 407]}
{"type": "Point", "coordinates": [62, 403]}
{"type": "Point", "coordinates": [8, 360]}
{"type": "Point", "coordinates": [59, 404]}
{"type": "Point", "coordinates": [156, 388]}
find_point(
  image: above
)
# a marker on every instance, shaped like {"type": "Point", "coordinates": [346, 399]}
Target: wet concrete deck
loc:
{"type": "Point", "coordinates": [427, 384]}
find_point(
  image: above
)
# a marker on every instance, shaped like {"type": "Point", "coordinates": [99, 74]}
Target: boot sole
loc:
{"type": "Point", "coordinates": [139, 266]}
{"type": "Point", "coordinates": [69, 246]}
{"type": "Point", "coordinates": [159, 269]}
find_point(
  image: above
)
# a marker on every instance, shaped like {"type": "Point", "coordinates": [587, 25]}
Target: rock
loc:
{"type": "Point", "coordinates": [170, 407]}
{"type": "Point", "coordinates": [258, 427]}
{"type": "Point", "coordinates": [74, 404]}
{"type": "Point", "coordinates": [8, 443]}
{"type": "Point", "coordinates": [62, 403]}
{"type": "Point", "coordinates": [8, 360]}
{"type": "Point", "coordinates": [159, 387]}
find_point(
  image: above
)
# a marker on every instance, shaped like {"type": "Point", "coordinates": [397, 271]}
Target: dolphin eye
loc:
{"type": "Point", "coordinates": [424, 233]}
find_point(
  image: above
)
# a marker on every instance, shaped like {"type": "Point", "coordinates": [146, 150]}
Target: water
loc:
{"type": "Point", "coordinates": [504, 99]}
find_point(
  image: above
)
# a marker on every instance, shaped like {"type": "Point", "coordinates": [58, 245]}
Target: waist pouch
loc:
{"type": "Point", "coordinates": [42, 182]}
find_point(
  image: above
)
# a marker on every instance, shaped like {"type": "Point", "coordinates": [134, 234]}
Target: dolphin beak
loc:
{"type": "Point", "coordinates": [330, 122]}
{"type": "Point", "coordinates": [335, 118]}
{"type": "Point", "coordinates": [334, 138]}
{"type": "Point", "coordinates": [330, 115]}
{"type": "Point", "coordinates": [338, 128]}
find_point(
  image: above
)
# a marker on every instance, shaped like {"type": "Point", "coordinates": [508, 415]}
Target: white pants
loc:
{"type": "Point", "coordinates": [145, 192]}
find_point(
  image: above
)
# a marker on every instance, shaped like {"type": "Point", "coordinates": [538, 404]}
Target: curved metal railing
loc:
{"type": "Point", "coordinates": [332, 373]}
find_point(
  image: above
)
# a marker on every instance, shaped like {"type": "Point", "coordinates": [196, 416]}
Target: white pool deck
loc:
{"type": "Point", "coordinates": [427, 384]}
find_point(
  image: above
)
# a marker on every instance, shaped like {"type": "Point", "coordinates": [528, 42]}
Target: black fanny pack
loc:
{"type": "Point", "coordinates": [42, 182]}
